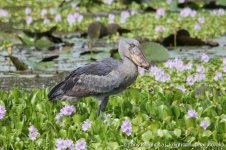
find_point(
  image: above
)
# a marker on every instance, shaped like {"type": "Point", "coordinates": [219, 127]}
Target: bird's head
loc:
{"type": "Point", "coordinates": [132, 50]}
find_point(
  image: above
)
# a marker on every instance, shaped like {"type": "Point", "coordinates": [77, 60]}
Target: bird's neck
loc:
{"type": "Point", "coordinates": [129, 65]}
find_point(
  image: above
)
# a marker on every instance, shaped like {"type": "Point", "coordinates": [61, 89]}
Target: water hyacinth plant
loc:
{"type": "Point", "coordinates": [157, 108]}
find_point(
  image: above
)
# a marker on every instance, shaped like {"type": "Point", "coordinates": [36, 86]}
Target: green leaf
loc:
{"type": "Point", "coordinates": [173, 5]}
{"type": "Point", "coordinates": [34, 97]}
{"type": "Point", "coordinates": [113, 145]}
{"type": "Point", "coordinates": [177, 132]}
{"type": "Point", "coordinates": [164, 112]}
{"type": "Point", "coordinates": [18, 145]}
{"type": "Point", "coordinates": [63, 133]}
{"type": "Point", "coordinates": [155, 52]}
{"type": "Point", "coordinates": [160, 132]}
{"type": "Point", "coordinates": [221, 2]}
{"type": "Point", "coordinates": [95, 145]}
{"type": "Point", "coordinates": [207, 133]}
{"type": "Point", "coordinates": [147, 136]}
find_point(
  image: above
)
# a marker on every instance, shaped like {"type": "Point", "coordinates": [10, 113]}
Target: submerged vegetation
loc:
{"type": "Point", "coordinates": [177, 103]}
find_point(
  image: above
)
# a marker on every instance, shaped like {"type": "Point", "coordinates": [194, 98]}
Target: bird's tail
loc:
{"type": "Point", "coordinates": [56, 92]}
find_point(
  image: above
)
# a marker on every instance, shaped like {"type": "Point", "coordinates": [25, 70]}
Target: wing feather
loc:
{"type": "Point", "coordinates": [93, 79]}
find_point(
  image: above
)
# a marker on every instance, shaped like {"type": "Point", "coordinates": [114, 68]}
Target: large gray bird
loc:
{"type": "Point", "coordinates": [103, 78]}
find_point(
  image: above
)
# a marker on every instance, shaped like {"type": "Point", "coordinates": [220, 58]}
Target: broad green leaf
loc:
{"type": "Point", "coordinates": [147, 136]}
{"type": "Point", "coordinates": [155, 52]}
{"type": "Point", "coordinates": [207, 133]}
{"type": "Point", "coordinates": [113, 145]}
{"type": "Point", "coordinates": [177, 132]}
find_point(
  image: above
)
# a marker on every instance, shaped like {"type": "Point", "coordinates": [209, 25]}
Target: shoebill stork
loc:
{"type": "Point", "coordinates": [103, 78]}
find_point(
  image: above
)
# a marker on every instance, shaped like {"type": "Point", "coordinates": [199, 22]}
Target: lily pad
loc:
{"type": "Point", "coordinates": [155, 52]}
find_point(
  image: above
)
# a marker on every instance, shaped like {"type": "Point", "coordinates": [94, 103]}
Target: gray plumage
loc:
{"type": "Point", "coordinates": [103, 78]}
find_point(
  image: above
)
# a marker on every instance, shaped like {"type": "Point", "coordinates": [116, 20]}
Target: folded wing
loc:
{"type": "Point", "coordinates": [93, 79]}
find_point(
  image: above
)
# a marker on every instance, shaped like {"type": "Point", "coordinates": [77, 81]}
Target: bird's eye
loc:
{"type": "Point", "coordinates": [132, 45]}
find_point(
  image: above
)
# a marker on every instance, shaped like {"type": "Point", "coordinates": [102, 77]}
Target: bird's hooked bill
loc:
{"type": "Point", "coordinates": [139, 59]}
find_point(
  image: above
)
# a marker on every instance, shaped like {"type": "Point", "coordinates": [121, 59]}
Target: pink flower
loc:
{"type": "Point", "coordinates": [29, 20]}
{"type": "Point", "coordinates": [188, 66]}
{"type": "Point", "coordinates": [162, 77]}
{"type": "Point", "coordinates": [193, 13]}
{"type": "Point", "coordinates": [218, 12]}
{"type": "Point", "coordinates": [27, 10]}
{"type": "Point", "coordinates": [224, 61]}
{"type": "Point", "coordinates": [44, 12]}
{"type": "Point", "coordinates": [33, 133]}
{"type": "Point", "coordinates": [108, 2]}
{"type": "Point", "coordinates": [141, 70]}
{"type": "Point", "coordinates": [70, 19]}
{"type": "Point", "coordinates": [80, 145]}
{"type": "Point", "coordinates": [59, 117]}
{"type": "Point", "coordinates": [192, 113]}
{"type": "Point", "coordinates": [221, 11]}
{"type": "Point", "coordinates": [186, 12]}
{"type": "Point", "coordinates": [111, 18]}
{"type": "Point", "coordinates": [160, 12]}
{"type": "Point", "coordinates": [78, 17]}
{"type": "Point", "coordinates": [218, 76]}
{"type": "Point", "coordinates": [178, 65]}
{"type": "Point", "coordinates": [160, 29]}
{"type": "Point", "coordinates": [133, 12]}
{"type": "Point", "coordinates": [224, 68]}
{"type": "Point", "coordinates": [159, 74]}
{"type": "Point", "coordinates": [180, 87]}
{"type": "Point", "coordinates": [204, 124]}
{"type": "Point", "coordinates": [86, 125]}
{"type": "Point", "coordinates": [73, 18]}
{"type": "Point", "coordinates": [64, 144]}
{"type": "Point", "coordinates": [197, 26]}
{"type": "Point", "coordinates": [58, 18]}
{"type": "Point", "coordinates": [4, 13]}
{"type": "Point", "coordinates": [201, 20]}
{"type": "Point", "coordinates": [169, 1]}
{"type": "Point", "coordinates": [2, 112]}
{"type": "Point", "coordinates": [46, 21]}
{"type": "Point", "coordinates": [52, 11]}
{"type": "Point", "coordinates": [124, 16]}
{"type": "Point", "coordinates": [190, 80]}
{"type": "Point", "coordinates": [126, 127]}
{"type": "Point", "coordinates": [67, 110]}
{"type": "Point", "coordinates": [181, 1]}
{"type": "Point", "coordinates": [200, 69]}
{"type": "Point", "coordinates": [98, 18]}
{"type": "Point", "coordinates": [199, 76]}
{"type": "Point", "coordinates": [205, 57]}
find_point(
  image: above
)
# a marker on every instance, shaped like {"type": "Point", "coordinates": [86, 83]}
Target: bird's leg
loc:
{"type": "Point", "coordinates": [99, 107]}
{"type": "Point", "coordinates": [102, 104]}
